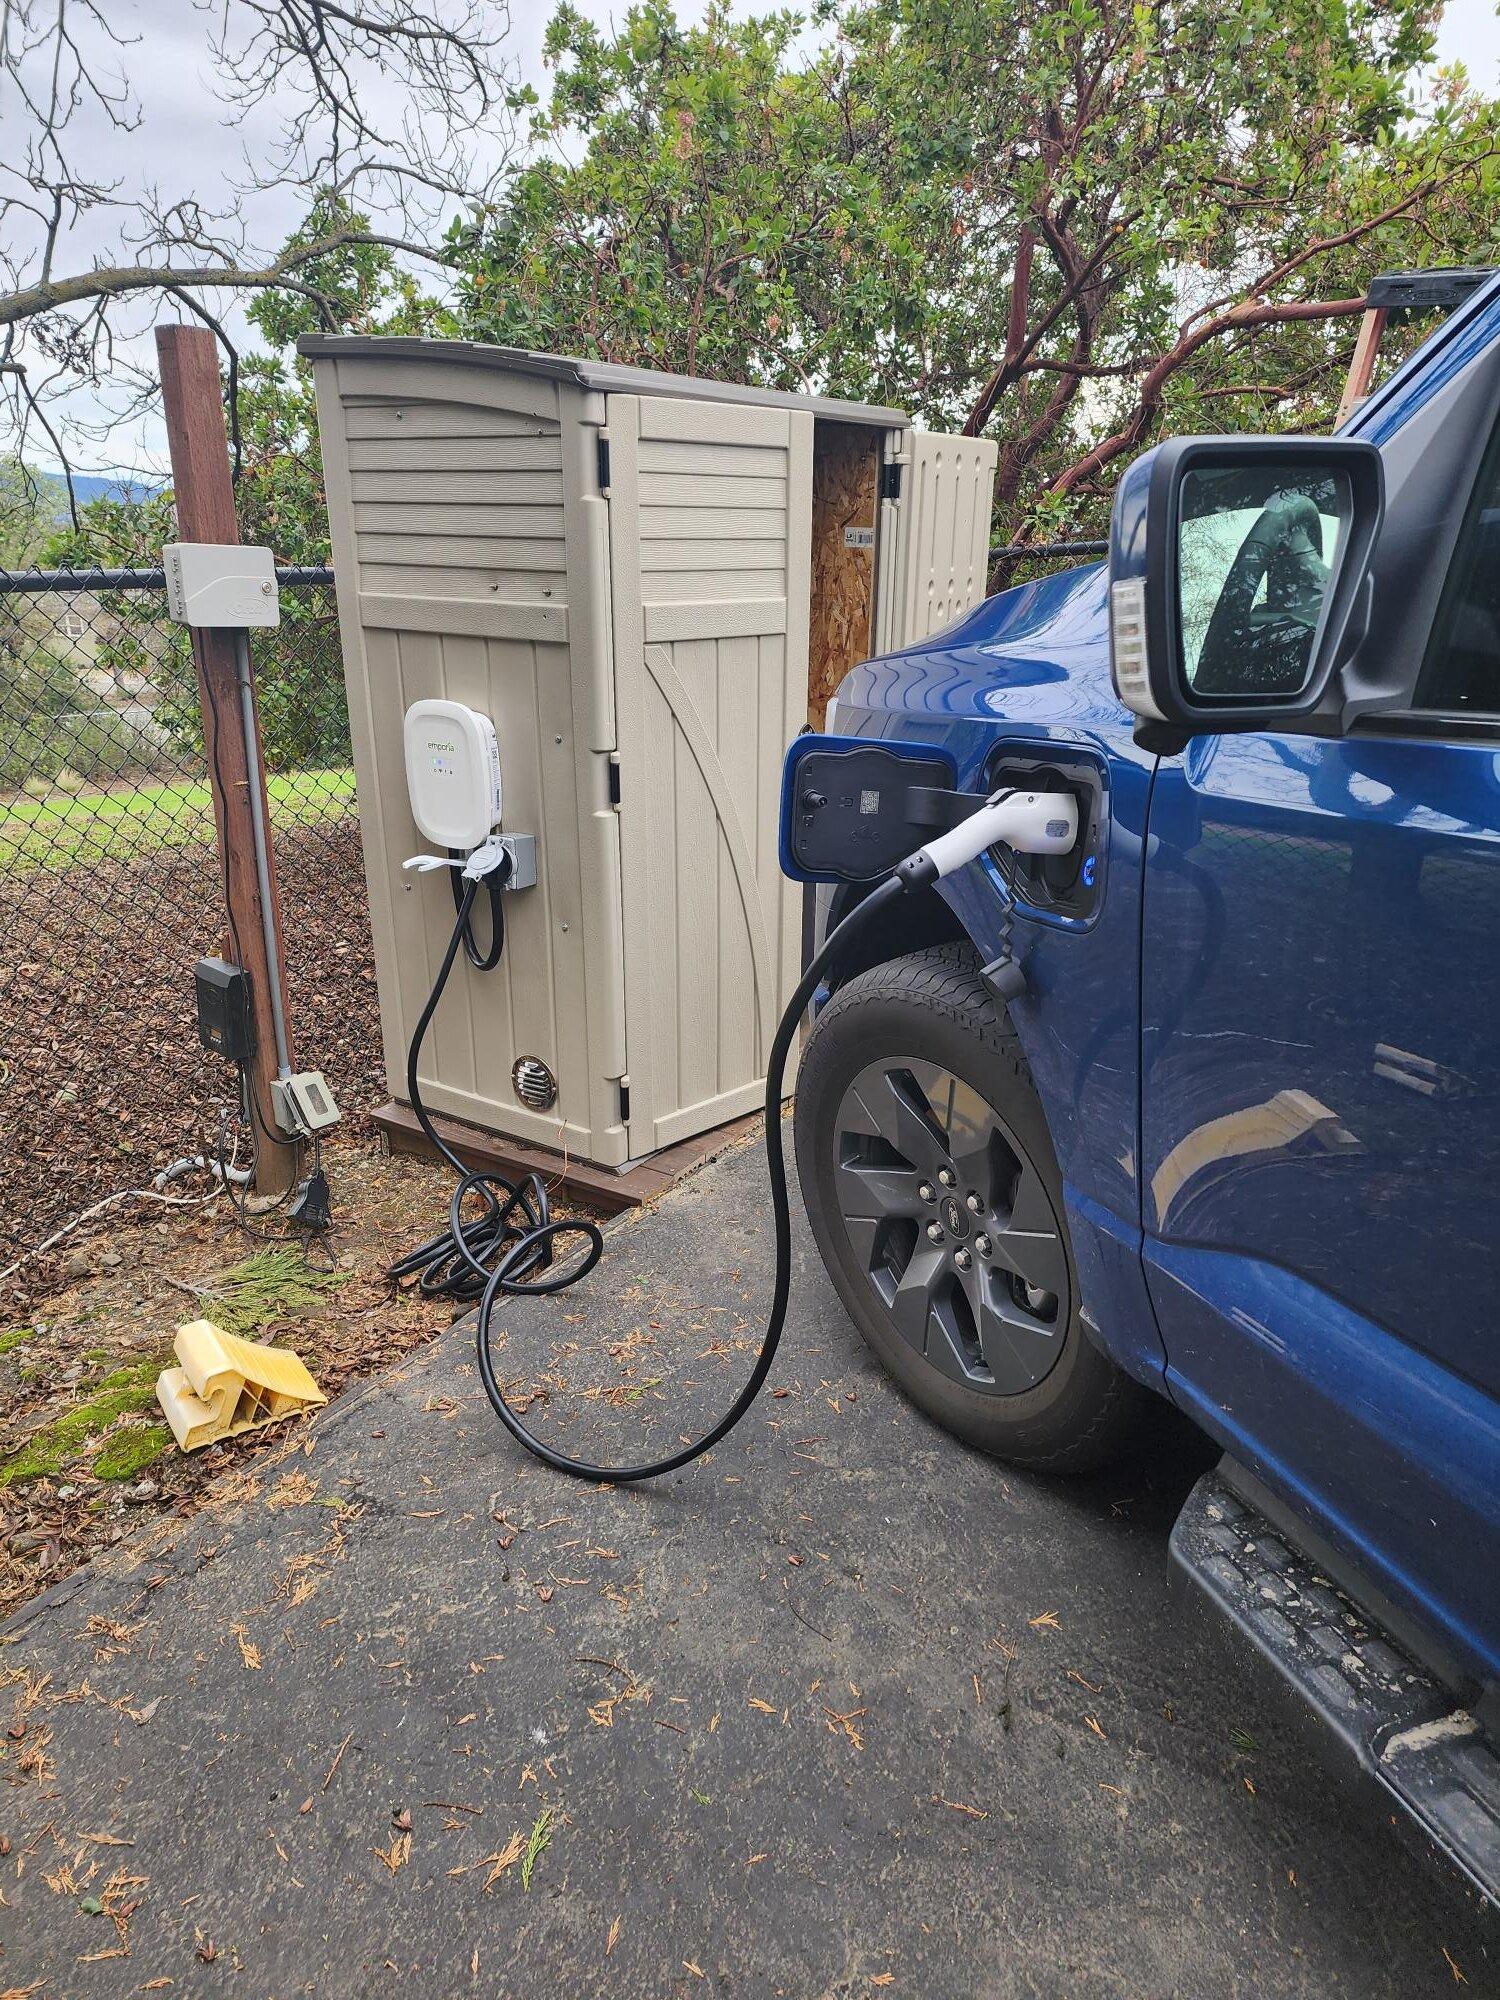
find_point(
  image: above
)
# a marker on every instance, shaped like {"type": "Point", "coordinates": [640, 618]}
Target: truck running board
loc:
{"type": "Point", "coordinates": [1430, 1756]}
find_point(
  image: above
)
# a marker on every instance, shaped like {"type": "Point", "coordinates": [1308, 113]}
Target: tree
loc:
{"type": "Point", "coordinates": [727, 212]}
{"type": "Point", "coordinates": [381, 115]}
{"type": "Point", "coordinates": [279, 501]}
{"type": "Point", "coordinates": [1067, 224]}
{"type": "Point", "coordinates": [24, 514]}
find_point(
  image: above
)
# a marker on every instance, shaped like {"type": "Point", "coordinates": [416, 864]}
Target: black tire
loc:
{"type": "Point", "coordinates": [1058, 1403]}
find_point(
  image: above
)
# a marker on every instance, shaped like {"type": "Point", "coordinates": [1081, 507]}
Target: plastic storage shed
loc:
{"type": "Point", "coordinates": [633, 574]}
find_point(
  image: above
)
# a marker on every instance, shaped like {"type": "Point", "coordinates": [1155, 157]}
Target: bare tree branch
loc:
{"type": "Point", "coordinates": [390, 117]}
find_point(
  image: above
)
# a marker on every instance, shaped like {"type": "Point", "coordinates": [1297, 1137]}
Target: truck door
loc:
{"type": "Point", "coordinates": [1321, 1109]}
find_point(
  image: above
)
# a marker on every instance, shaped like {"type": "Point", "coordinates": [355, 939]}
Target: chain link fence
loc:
{"type": "Point", "coordinates": [1026, 562]}
{"type": "Point", "coordinates": [110, 887]}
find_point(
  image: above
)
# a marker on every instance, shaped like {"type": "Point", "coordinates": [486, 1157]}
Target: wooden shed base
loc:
{"type": "Point", "coordinates": [599, 1188]}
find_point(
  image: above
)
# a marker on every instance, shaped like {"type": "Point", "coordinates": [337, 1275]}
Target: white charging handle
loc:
{"type": "Point", "coordinates": [1025, 822]}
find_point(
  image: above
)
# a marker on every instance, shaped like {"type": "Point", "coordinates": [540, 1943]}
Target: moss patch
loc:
{"type": "Point", "coordinates": [130, 1451]}
{"type": "Point", "coordinates": [57, 1444]}
{"type": "Point", "coordinates": [12, 1336]}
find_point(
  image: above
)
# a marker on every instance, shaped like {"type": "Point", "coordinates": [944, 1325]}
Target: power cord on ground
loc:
{"type": "Point", "coordinates": [508, 1248]}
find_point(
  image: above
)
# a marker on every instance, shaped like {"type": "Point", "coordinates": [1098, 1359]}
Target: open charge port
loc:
{"type": "Point", "coordinates": [1065, 885]}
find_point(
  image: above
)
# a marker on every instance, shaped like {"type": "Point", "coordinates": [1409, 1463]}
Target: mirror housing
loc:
{"type": "Point", "coordinates": [1262, 647]}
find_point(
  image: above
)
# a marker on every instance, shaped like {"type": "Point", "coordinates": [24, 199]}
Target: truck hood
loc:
{"type": "Point", "coordinates": [1038, 652]}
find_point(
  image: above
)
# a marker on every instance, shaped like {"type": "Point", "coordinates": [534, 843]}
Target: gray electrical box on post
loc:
{"type": "Point", "coordinates": [646, 581]}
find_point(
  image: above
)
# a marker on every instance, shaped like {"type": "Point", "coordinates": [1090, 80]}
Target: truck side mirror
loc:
{"type": "Point", "coordinates": [1236, 567]}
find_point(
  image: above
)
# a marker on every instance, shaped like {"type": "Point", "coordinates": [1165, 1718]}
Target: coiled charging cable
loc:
{"type": "Point", "coordinates": [499, 1252]}
{"type": "Point", "coordinates": [508, 1246]}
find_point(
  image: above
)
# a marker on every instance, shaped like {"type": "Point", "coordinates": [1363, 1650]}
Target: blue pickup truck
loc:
{"type": "Point", "coordinates": [1210, 1107]}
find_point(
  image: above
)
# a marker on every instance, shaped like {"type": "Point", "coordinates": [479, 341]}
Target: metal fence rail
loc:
{"type": "Point", "coordinates": [32, 582]}
{"type": "Point", "coordinates": [109, 878]}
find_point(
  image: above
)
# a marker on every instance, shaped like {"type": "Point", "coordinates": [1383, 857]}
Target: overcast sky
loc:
{"type": "Point", "coordinates": [182, 146]}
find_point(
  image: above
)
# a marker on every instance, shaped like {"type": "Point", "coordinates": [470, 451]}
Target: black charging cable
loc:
{"type": "Point", "coordinates": [498, 1252]}
{"type": "Point", "coordinates": [508, 1249]}
{"type": "Point", "coordinates": [482, 961]}
{"type": "Point", "coordinates": [508, 1245]}
{"type": "Point", "coordinates": [653, 1468]}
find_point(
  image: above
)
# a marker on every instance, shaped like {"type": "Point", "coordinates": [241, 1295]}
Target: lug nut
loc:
{"type": "Point", "coordinates": [926, 1191]}
{"type": "Point", "coordinates": [974, 1205]}
{"type": "Point", "coordinates": [962, 1259]}
{"type": "Point", "coordinates": [947, 1176]}
{"type": "Point", "coordinates": [934, 1232]}
{"type": "Point", "coordinates": [983, 1245]}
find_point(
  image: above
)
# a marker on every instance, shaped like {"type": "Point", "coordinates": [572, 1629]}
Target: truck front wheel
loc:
{"type": "Point", "coordinates": [936, 1203]}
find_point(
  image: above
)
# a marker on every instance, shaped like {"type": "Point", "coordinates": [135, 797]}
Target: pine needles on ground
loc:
{"type": "Point", "coordinates": [271, 1285]}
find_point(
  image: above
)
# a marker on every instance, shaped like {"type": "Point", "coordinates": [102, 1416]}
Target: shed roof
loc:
{"type": "Point", "coordinates": [607, 376]}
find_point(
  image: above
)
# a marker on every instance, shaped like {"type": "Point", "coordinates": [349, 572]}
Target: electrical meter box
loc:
{"type": "Point", "coordinates": [649, 583]}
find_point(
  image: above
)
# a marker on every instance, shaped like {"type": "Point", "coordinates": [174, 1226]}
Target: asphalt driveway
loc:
{"type": "Point", "coordinates": [847, 1711]}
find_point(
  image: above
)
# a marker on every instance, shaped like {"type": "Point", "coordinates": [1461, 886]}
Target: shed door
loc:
{"type": "Point", "coordinates": [934, 536]}
{"type": "Point", "coordinates": [710, 536]}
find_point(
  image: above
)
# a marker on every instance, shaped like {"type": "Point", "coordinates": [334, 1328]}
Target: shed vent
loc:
{"type": "Point", "coordinates": [534, 1083]}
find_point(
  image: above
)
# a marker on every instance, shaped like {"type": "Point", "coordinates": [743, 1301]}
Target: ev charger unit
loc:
{"type": "Point", "coordinates": [452, 773]}
{"type": "Point", "coordinates": [648, 585]}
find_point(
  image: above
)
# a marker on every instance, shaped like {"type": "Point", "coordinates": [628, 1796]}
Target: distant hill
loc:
{"type": "Point", "coordinates": [89, 486]}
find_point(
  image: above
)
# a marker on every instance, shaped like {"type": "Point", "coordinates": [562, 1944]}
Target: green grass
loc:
{"type": "Point", "coordinates": [62, 831]}
{"type": "Point", "coordinates": [12, 1337]}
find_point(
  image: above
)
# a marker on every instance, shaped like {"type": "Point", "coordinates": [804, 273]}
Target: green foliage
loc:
{"type": "Point", "coordinates": [1071, 225]}
{"type": "Point", "coordinates": [299, 675]}
{"type": "Point", "coordinates": [280, 503]}
{"type": "Point", "coordinates": [727, 212]}
{"type": "Point", "coordinates": [268, 1286]}
{"type": "Point", "coordinates": [26, 510]}
{"type": "Point", "coordinates": [709, 198]}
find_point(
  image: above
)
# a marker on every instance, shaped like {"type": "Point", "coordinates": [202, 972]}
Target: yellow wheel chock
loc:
{"type": "Point", "coordinates": [226, 1385]}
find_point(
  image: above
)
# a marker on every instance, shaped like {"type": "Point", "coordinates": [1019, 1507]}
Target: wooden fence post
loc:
{"type": "Point", "coordinates": [204, 491]}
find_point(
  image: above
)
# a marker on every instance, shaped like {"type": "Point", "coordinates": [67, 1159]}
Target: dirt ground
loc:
{"type": "Point", "coordinates": [84, 1454]}
{"type": "Point", "coordinates": [102, 1078]}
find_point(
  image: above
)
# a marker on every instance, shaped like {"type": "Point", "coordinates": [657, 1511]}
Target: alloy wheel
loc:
{"type": "Point", "coordinates": [951, 1221]}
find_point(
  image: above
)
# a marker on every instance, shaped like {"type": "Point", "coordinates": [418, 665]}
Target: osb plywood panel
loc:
{"type": "Point", "coordinates": [846, 484]}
